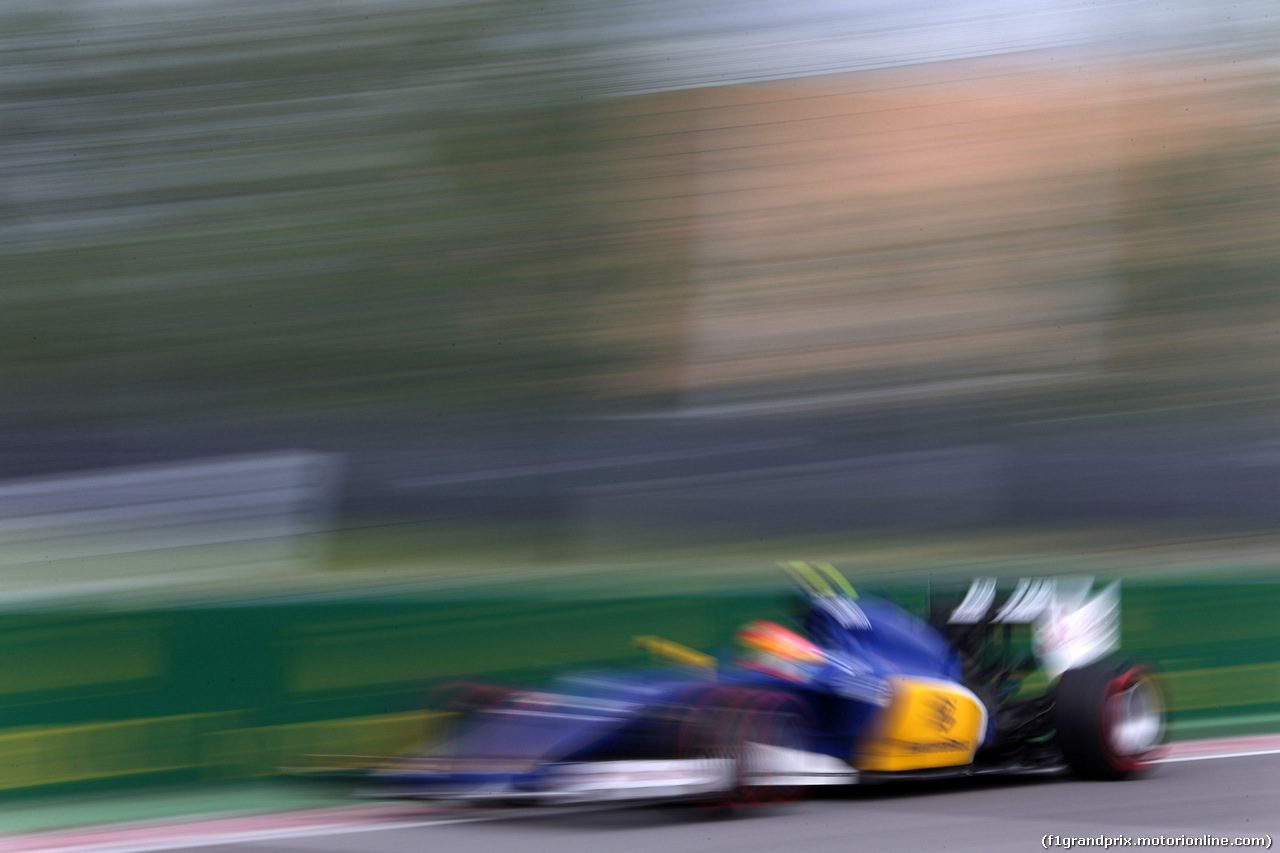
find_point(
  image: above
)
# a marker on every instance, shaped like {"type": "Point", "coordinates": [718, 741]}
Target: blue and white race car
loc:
{"type": "Point", "coordinates": [861, 691]}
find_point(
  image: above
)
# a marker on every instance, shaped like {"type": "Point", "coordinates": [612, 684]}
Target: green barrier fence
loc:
{"type": "Point", "coordinates": [243, 689]}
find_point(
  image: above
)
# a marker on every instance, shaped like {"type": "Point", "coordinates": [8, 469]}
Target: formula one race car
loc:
{"type": "Point", "coordinates": [861, 691]}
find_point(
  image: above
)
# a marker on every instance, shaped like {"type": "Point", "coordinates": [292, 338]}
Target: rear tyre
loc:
{"type": "Point", "coordinates": [1111, 720]}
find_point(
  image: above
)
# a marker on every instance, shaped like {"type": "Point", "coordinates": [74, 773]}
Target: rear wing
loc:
{"type": "Point", "coordinates": [1069, 628]}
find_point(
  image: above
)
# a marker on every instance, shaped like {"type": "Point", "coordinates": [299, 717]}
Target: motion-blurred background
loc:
{"type": "Point", "coordinates": [314, 289]}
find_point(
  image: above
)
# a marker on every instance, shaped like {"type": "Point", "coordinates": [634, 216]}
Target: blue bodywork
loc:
{"type": "Point", "coordinates": [627, 715]}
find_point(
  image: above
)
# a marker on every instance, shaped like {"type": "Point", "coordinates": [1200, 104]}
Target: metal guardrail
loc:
{"type": "Point", "coordinates": [164, 524]}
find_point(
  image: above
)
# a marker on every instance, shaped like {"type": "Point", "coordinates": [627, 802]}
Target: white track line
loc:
{"type": "Point", "coordinates": [1228, 747]}
{"type": "Point", "coordinates": [1214, 755]}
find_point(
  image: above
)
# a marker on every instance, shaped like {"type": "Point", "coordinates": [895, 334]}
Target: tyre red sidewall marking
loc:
{"type": "Point", "coordinates": [1111, 717]}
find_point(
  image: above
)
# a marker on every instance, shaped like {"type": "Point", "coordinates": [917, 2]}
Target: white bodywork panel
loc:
{"type": "Point", "coordinates": [1069, 629]}
{"type": "Point", "coordinates": [1072, 632]}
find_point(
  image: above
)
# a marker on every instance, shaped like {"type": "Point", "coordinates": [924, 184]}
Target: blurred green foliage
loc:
{"type": "Point", "coordinates": [1198, 305]}
{"type": "Point", "coordinates": [235, 208]}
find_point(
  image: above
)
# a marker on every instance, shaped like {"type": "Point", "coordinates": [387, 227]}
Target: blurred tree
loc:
{"type": "Point", "coordinates": [1198, 318]}
{"type": "Point", "coordinates": [237, 211]}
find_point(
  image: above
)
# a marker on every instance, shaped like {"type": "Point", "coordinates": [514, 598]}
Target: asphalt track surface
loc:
{"type": "Point", "coordinates": [1225, 797]}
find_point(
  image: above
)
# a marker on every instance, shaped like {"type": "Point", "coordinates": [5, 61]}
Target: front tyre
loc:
{"type": "Point", "coordinates": [1110, 720]}
{"type": "Point", "coordinates": [775, 729]}
{"type": "Point", "coordinates": [709, 727]}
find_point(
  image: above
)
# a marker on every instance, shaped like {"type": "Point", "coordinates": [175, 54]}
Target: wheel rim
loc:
{"type": "Point", "coordinates": [1135, 712]}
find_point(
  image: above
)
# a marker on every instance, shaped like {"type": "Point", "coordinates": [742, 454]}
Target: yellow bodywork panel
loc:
{"type": "Point", "coordinates": [673, 651]}
{"type": "Point", "coordinates": [928, 724]}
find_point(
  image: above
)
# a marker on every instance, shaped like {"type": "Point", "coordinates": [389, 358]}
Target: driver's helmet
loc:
{"type": "Point", "coordinates": [771, 648]}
